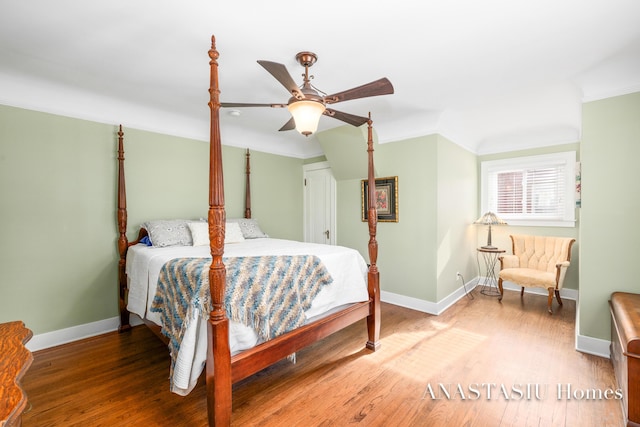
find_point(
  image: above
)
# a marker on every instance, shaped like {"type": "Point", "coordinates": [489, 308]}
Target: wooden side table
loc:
{"type": "Point", "coordinates": [15, 359]}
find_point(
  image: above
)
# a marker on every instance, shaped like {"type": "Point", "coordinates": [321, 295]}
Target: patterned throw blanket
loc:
{"type": "Point", "coordinates": [268, 293]}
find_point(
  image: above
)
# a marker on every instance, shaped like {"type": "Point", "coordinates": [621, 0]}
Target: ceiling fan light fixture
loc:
{"type": "Point", "coordinates": [306, 114]}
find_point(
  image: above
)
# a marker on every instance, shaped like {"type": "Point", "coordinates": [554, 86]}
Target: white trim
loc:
{"type": "Point", "coordinates": [610, 93]}
{"type": "Point", "coordinates": [427, 306]}
{"type": "Point", "coordinates": [567, 293]}
{"type": "Point", "coordinates": [584, 344]}
{"type": "Point", "coordinates": [594, 346]}
{"type": "Point", "coordinates": [87, 330]}
{"type": "Point", "coordinates": [409, 302]}
{"type": "Point", "coordinates": [75, 333]}
{"type": "Point", "coordinates": [448, 301]}
{"type": "Point", "coordinates": [316, 166]}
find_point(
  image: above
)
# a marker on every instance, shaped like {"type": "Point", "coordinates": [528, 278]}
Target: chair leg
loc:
{"type": "Point", "coordinates": [550, 300]}
{"type": "Point", "coordinates": [558, 297]}
{"type": "Point", "coordinates": [522, 292]}
{"type": "Point", "coordinates": [500, 289]}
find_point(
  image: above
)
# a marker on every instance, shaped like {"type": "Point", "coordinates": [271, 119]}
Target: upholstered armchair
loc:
{"type": "Point", "coordinates": [537, 261]}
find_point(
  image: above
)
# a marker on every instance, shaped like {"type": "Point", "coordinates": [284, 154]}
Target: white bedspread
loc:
{"type": "Point", "coordinates": [346, 266]}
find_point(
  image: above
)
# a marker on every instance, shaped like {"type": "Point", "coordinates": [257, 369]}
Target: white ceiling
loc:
{"type": "Point", "coordinates": [493, 75]}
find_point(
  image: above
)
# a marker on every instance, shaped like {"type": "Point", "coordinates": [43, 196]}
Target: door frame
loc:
{"type": "Point", "coordinates": [332, 201]}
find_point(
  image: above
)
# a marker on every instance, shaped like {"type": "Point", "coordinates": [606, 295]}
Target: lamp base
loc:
{"type": "Point", "coordinates": [488, 247]}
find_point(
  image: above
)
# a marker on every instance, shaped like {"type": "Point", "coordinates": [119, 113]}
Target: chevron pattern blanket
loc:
{"type": "Point", "coordinates": [267, 293]}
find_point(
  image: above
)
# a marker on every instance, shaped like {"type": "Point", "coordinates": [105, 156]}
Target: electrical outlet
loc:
{"type": "Point", "coordinates": [458, 275]}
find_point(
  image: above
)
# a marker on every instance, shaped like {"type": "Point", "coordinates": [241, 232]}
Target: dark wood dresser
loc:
{"type": "Point", "coordinates": [625, 351]}
{"type": "Point", "coordinates": [15, 359]}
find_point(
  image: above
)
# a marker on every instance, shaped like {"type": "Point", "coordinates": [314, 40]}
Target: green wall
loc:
{"type": "Point", "coordinates": [456, 206]}
{"type": "Point", "coordinates": [58, 211]}
{"type": "Point", "coordinates": [408, 250]}
{"type": "Point", "coordinates": [58, 252]}
{"type": "Point", "coordinates": [609, 231]}
{"type": "Point", "coordinates": [276, 194]}
{"type": "Point", "coordinates": [437, 180]}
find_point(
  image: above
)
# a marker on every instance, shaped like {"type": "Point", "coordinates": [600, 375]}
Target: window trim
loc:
{"type": "Point", "coordinates": [566, 157]}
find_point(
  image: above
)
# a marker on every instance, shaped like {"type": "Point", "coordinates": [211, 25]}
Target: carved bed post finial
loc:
{"type": "Point", "coordinates": [247, 193]}
{"type": "Point", "coordinates": [218, 381]}
{"type": "Point", "coordinates": [373, 320]}
{"type": "Point", "coordinates": [123, 243]}
{"type": "Point", "coordinates": [217, 214]}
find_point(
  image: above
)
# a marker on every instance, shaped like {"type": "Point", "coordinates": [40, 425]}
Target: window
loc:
{"type": "Point", "coordinates": [535, 190]}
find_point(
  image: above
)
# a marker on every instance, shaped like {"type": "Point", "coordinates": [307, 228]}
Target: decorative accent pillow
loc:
{"type": "Point", "coordinates": [168, 232]}
{"type": "Point", "coordinates": [250, 228]}
{"type": "Point", "coordinates": [233, 233]}
{"type": "Point", "coordinates": [200, 233]}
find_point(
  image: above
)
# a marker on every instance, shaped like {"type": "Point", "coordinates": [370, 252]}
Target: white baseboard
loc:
{"type": "Point", "coordinates": [75, 333]}
{"type": "Point", "coordinates": [409, 302]}
{"type": "Point", "coordinates": [427, 306]}
{"type": "Point", "coordinates": [595, 346]}
{"type": "Point", "coordinates": [442, 305]}
{"type": "Point", "coordinates": [571, 294]}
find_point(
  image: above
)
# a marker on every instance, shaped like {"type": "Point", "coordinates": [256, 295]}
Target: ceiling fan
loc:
{"type": "Point", "coordinates": [308, 103]}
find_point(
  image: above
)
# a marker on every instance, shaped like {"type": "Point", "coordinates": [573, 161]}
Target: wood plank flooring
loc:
{"type": "Point", "coordinates": [507, 352]}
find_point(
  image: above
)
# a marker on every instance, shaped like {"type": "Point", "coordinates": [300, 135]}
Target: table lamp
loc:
{"type": "Point", "coordinates": [490, 219]}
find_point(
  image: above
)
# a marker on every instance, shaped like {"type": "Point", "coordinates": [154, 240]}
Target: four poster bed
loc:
{"type": "Point", "coordinates": [229, 356]}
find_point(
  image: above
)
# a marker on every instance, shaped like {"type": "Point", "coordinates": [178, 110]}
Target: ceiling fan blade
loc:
{"type": "Point", "coordinates": [281, 74]}
{"type": "Point", "coordinates": [379, 87]}
{"type": "Point", "coordinates": [240, 104]}
{"type": "Point", "coordinates": [290, 125]}
{"type": "Point", "coordinates": [346, 117]}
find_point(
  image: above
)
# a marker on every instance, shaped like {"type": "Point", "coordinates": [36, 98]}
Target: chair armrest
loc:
{"type": "Point", "coordinates": [509, 261]}
{"type": "Point", "coordinates": [561, 272]}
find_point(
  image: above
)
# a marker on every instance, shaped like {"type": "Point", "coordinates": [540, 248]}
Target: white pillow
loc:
{"type": "Point", "coordinates": [200, 233]}
{"type": "Point", "coordinates": [233, 233]}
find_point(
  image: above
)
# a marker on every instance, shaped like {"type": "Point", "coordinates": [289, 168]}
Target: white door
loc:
{"type": "Point", "coordinates": [319, 204]}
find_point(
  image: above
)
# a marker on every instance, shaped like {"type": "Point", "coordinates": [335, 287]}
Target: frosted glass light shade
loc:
{"type": "Point", "coordinates": [306, 114]}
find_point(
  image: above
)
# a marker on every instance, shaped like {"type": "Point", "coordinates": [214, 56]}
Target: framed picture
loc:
{"type": "Point", "coordinates": [386, 199]}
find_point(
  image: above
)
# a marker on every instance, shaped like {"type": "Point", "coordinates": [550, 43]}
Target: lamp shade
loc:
{"type": "Point", "coordinates": [489, 219]}
{"type": "Point", "coordinates": [306, 114]}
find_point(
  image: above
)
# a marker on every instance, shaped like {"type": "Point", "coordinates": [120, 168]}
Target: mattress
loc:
{"type": "Point", "coordinates": [346, 266]}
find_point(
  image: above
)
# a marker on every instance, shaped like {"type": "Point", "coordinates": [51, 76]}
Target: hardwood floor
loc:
{"type": "Point", "coordinates": [121, 379]}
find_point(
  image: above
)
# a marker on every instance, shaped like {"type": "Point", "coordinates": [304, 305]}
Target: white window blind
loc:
{"type": "Point", "coordinates": [535, 190]}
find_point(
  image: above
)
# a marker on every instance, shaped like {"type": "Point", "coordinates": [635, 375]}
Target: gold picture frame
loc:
{"type": "Point", "coordinates": [386, 199]}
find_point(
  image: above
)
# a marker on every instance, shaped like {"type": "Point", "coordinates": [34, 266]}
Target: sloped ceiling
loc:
{"type": "Point", "coordinates": [495, 75]}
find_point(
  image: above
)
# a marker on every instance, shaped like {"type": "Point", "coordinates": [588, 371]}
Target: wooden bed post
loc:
{"type": "Point", "coordinates": [247, 192]}
{"type": "Point", "coordinates": [373, 320]}
{"type": "Point", "coordinates": [123, 243]}
{"type": "Point", "coordinates": [218, 382]}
